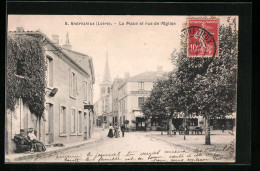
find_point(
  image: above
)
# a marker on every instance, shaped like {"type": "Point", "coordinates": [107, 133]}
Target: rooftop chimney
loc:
{"type": "Point", "coordinates": [55, 39]}
{"type": "Point", "coordinates": [67, 44]}
{"type": "Point", "coordinates": [19, 29]}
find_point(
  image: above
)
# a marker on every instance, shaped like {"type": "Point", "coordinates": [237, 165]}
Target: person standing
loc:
{"type": "Point", "coordinates": [110, 132]}
{"type": "Point", "coordinates": [123, 130]}
{"type": "Point", "coordinates": [223, 128]}
{"type": "Point", "coordinates": [103, 125]}
{"type": "Point", "coordinates": [116, 130]}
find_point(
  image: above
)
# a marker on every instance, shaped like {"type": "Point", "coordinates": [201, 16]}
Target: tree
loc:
{"type": "Point", "coordinates": [216, 89]}
{"type": "Point", "coordinates": [205, 86]}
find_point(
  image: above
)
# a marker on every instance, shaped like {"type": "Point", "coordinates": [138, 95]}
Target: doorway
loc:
{"type": "Point", "coordinates": [89, 126]}
{"type": "Point", "coordinates": [85, 126]}
{"type": "Point", "coordinates": [49, 127]}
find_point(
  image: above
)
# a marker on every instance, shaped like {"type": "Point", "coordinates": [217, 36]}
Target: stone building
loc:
{"type": "Point", "coordinates": [68, 115]}
{"type": "Point", "coordinates": [132, 93]}
{"type": "Point", "coordinates": [115, 101]}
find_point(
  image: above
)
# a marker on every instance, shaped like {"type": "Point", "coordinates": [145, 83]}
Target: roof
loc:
{"type": "Point", "coordinates": [146, 76]}
{"type": "Point", "coordinates": [83, 61]}
{"type": "Point", "coordinates": [106, 76]}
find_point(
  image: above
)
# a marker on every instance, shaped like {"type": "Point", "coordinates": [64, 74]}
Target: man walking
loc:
{"type": "Point", "coordinates": [123, 130]}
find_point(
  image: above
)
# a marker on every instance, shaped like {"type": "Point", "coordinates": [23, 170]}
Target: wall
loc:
{"type": "Point", "coordinates": [61, 80]}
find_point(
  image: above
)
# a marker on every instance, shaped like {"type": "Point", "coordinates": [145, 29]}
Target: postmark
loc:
{"type": "Point", "coordinates": [200, 37]}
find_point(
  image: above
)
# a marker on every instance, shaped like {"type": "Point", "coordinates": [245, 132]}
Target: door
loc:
{"type": "Point", "coordinates": [49, 137]}
{"type": "Point", "coordinates": [85, 126]}
{"type": "Point", "coordinates": [89, 126]}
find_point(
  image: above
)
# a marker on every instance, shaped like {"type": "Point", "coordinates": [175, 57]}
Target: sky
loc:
{"type": "Point", "coordinates": [132, 47]}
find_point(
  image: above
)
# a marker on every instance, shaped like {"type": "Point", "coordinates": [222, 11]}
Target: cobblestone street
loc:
{"type": "Point", "coordinates": [148, 147]}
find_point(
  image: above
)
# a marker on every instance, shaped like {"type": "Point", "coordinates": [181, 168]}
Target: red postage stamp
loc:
{"type": "Point", "coordinates": [202, 37]}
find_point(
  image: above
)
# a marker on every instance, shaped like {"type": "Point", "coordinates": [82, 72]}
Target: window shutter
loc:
{"type": "Point", "coordinates": [76, 90]}
{"type": "Point", "coordinates": [61, 120]}
{"type": "Point", "coordinates": [70, 78]}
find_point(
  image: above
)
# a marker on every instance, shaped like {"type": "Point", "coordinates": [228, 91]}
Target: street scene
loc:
{"type": "Point", "coordinates": [121, 89]}
{"type": "Point", "coordinates": [146, 146]}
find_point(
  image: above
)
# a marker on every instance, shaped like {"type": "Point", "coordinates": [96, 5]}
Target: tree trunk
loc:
{"type": "Point", "coordinates": [170, 126]}
{"type": "Point", "coordinates": [207, 130]}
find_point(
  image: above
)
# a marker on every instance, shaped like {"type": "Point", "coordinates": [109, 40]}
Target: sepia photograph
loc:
{"type": "Point", "coordinates": [121, 89]}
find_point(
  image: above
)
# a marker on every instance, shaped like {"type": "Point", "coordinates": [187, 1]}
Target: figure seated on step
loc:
{"type": "Point", "coordinates": [22, 142]}
{"type": "Point", "coordinates": [37, 145]}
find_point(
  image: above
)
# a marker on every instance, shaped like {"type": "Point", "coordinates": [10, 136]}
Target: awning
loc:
{"type": "Point", "coordinates": [138, 114]}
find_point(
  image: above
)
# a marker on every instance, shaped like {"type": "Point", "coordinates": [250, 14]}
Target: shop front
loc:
{"type": "Point", "coordinates": [140, 121]}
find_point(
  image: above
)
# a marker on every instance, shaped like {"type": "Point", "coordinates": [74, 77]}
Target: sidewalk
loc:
{"type": "Point", "coordinates": [221, 143]}
{"type": "Point", "coordinates": [97, 135]}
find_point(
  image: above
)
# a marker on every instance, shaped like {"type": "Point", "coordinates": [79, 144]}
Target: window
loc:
{"type": "Point", "coordinates": [108, 90]}
{"type": "Point", "coordinates": [49, 71]}
{"type": "Point", "coordinates": [106, 104]}
{"type": "Point", "coordinates": [80, 122]}
{"type": "Point", "coordinates": [73, 84]}
{"type": "Point", "coordinates": [105, 118]}
{"type": "Point", "coordinates": [123, 103]}
{"type": "Point", "coordinates": [116, 120]}
{"type": "Point", "coordinates": [90, 92]}
{"type": "Point", "coordinates": [20, 68]}
{"type": "Point", "coordinates": [141, 85]}
{"type": "Point", "coordinates": [73, 121]}
{"type": "Point", "coordinates": [63, 120]}
{"type": "Point", "coordinates": [85, 90]}
{"type": "Point", "coordinates": [103, 105]}
{"type": "Point", "coordinates": [140, 101]}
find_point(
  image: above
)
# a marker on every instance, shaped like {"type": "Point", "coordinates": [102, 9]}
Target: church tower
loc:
{"type": "Point", "coordinates": [105, 85]}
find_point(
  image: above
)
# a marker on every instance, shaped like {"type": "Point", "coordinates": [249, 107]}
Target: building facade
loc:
{"type": "Point", "coordinates": [68, 115]}
{"type": "Point", "coordinates": [115, 101]}
{"type": "Point", "coordinates": [132, 93]}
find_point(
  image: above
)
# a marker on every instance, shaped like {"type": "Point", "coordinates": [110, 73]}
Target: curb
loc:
{"type": "Point", "coordinates": [48, 153]}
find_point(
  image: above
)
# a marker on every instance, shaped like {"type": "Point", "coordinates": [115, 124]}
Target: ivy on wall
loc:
{"type": "Point", "coordinates": [26, 72]}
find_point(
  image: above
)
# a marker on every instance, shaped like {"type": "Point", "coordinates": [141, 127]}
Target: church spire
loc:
{"type": "Point", "coordinates": [67, 42]}
{"type": "Point", "coordinates": [106, 76]}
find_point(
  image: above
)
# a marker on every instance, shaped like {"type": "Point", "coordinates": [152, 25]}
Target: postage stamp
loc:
{"type": "Point", "coordinates": [202, 37]}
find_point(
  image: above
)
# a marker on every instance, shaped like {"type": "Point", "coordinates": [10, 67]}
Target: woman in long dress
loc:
{"type": "Point", "coordinates": [116, 130]}
{"type": "Point", "coordinates": [110, 132]}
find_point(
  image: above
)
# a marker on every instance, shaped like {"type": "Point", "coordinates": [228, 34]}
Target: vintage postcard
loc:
{"type": "Point", "coordinates": [121, 88]}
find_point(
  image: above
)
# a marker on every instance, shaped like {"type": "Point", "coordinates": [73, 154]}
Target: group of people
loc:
{"type": "Point", "coordinates": [114, 130]}
{"type": "Point", "coordinates": [28, 142]}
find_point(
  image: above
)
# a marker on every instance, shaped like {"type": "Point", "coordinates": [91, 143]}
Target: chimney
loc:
{"type": "Point", "coordinates": [19, 29]}
{"type": "Point", "coordinates": [159, 69]}
{"type": "Point", "coordinates": [55, 39]}
{"type": "Point", "coordinates": [67, 44]}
